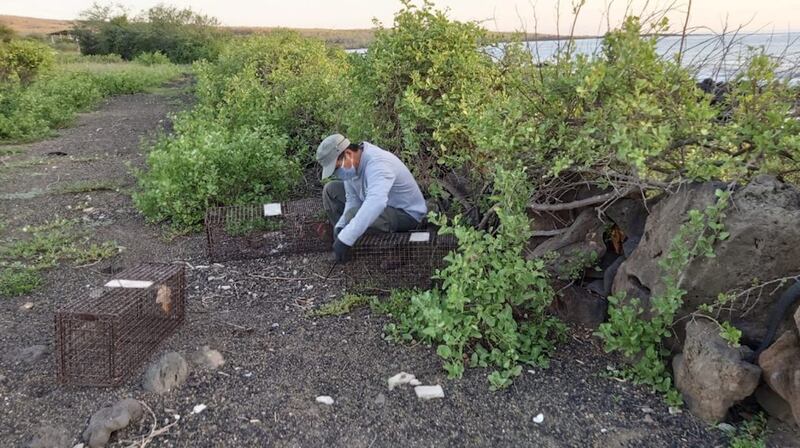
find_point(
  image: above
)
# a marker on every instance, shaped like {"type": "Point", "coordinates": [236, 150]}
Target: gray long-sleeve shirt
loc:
{"type": "Point", "coordinates": [381, 180]}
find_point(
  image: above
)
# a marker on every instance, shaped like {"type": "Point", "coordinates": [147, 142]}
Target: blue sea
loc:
{"type": "Point", "coordinates": [708, 56]}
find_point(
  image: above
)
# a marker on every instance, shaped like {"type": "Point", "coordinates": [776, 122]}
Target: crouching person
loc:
{"type": "Point", "coordinates": [375, 191]}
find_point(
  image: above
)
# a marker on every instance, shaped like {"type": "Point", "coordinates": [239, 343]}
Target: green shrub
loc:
{"type": "Point", "coordinates": [32, 111]}
{"type": "Point", "coordinates": [294, 84]}
{"type": "Point", "coordinates": [207, 164]}
{"type": "Point", "coordinates": [151, 58]}
{"type": "Point", "coordinates": [181, 34]}
{"type": "Point", "coordinates": [6, 33]}
{"type": "Point", "coordinates": [491, 308]}
{"type": "Point", "coordinates": [22, 60]}
{"type": "Point", "coordinates": [417, 85]}
{"type": "Point", "coordinates": [628, 111]}
{"type": "Point", "coordinates": [263, 107]}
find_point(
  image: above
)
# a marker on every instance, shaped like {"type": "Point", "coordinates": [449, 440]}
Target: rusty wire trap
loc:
{"type": "Point", "coordinates": [103, 338]}
{"type": "Point", "coordinates": [384, 261]}
{"type": "Point", "coordinates": [261, 230]}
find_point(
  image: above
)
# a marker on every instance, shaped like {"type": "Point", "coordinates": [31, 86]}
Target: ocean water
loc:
{"type": "Point", "coordinates": [708, 56]}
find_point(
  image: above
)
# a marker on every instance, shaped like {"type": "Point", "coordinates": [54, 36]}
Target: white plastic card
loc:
{"type": "Point", "coordinates": [419, 237]}
{"type": "Point", "coordinates": [272, 209]}
{"type": "Point", "coordinates": [135, 284]}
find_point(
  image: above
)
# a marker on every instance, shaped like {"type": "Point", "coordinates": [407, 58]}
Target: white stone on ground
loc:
{"type": "Point", "coordinates": [539, 418]}
{"type": "Point", "coordinates": [726, 427]}
{"type": "Point", "coordinates": [401, 379]}
{"type": "Point", "coordinates": [207, 358]}
{"type": "Point", "coordinates": [429, 392]}
{"type": "Point", "coordinates": [324, 399]}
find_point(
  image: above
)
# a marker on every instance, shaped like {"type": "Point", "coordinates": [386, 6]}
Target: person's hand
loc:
{"type": "Point", "coordinates": [341, 251]}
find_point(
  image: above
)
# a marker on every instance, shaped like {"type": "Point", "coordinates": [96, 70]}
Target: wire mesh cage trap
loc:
{"type": "Point", "coordinates": [101, 339]}
{"type": "Point", "coordinates": [388, 261]}
{"type": "Point", "coordinates": [260, 230]}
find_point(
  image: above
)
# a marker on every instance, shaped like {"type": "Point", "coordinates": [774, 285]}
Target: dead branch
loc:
{"type": "Point", "coordinates": [155, 431]}
{"type": "Point", "coordinates": [683, 34]}
{"type": "Point", "coordinates": [486, 217]}
{"type": "Point", "coordinates": [599, 199]}
{"type": "Point", "coordinates": [554, 232]}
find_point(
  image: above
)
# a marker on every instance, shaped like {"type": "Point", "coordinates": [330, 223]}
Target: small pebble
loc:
{"type": "Point", "coordinates": [429, 392]}
{"type": "Point", "coordinates": [648, 419]}
{"type": "Point", "coordinates": [27, 305]}
{"type": "Point", "coordinates": [674, 410]}
{"type": "Point", "coordinates": [726, 427]}
{"type": "Point", "coordinates": [647, 410]}
{"type": "Point", "coordinates": [603, 430]}
{"type": "Point", "coordinates": [199, 408]}
{"type": "Point", "coordinates": [224, 287]}
{"type": "Point", "coordinates": [539, 418]}
{"type": "Point", "coordinates": [324, 399]}
{"type": "Point", "coordinates": [402, 378]}
{"type": "Point", "coordinates": [380, 399]}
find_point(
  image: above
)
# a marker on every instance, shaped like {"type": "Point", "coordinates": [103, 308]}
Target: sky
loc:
{"type": "Point", "coordinates": [496, 15]}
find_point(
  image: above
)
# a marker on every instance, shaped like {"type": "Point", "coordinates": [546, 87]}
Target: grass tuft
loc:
{"type": "Point", "coordinates": [45, 246]}
{"type": "Point", "coordinates": [17, 280]}
{"type": "Point", "coordinates": [343, 305]}
{"type": "Point", "coordinates": [750, 434]}
{"type": "Point", "coordinates": [88, 186]}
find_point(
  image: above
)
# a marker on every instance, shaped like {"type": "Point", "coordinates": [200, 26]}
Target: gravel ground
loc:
{"type": "Point", "coordinates": [278, 358]}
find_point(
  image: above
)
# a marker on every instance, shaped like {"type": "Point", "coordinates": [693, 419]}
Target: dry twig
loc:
{"type": "Point", "coordinates": [155, 431]}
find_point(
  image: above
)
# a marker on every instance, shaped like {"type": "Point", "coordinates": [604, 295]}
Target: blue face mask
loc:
{"type": "Point", "coordinates": [346, 173]}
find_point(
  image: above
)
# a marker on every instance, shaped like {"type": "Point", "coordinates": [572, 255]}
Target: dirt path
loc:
{"type": "Point", "coordinates": [277, 358]}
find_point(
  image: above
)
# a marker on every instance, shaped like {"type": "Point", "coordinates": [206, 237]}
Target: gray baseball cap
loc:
{"type": "Point", "coordinates": [328, 151]}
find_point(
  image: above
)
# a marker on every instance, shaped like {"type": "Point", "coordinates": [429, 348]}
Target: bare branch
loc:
{"type": "Point", "coordinates": [599, 199]}
{"type": "Point", "coordinates": [683, 34]}
{"type": "Point", "coordinates": [554, 232]}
